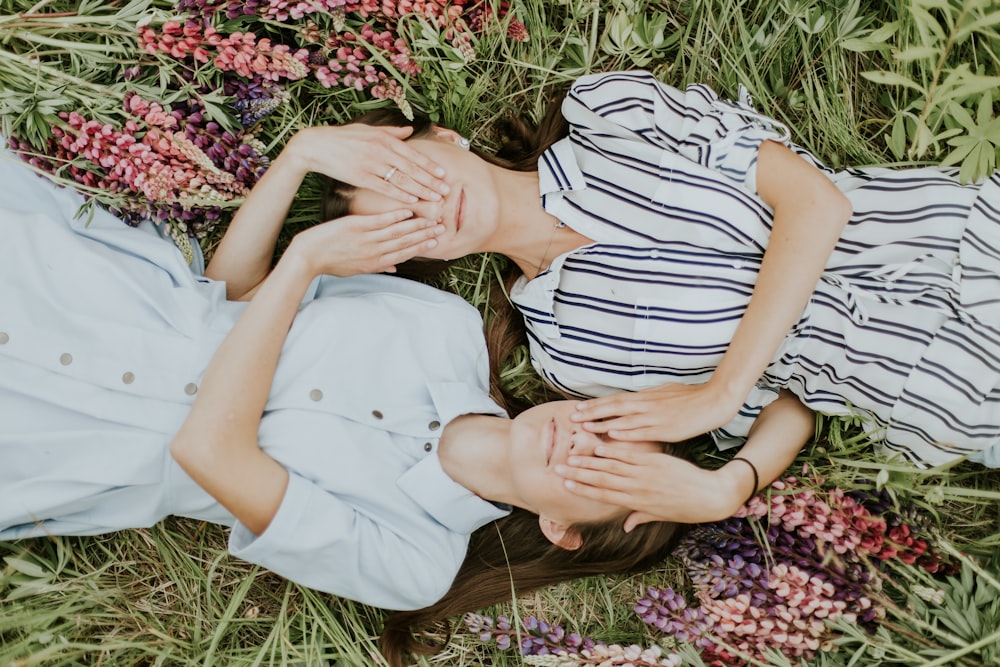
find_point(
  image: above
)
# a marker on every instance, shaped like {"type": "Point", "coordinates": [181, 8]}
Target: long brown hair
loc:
{"type": "Point", "coordinates": [512, 554]}
{"type": "Point", "coordinates": [521, 143]}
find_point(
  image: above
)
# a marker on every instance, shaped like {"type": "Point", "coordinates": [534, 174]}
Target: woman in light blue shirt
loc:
{"type": "Point", "coordinates": [341, 425]}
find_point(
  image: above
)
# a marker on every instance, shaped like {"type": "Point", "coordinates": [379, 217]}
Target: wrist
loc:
{"type": "Point", "coordinates": [297, 261]}
{"type": "Point", "coordinates": [738, 483]}
{"type": "Point", "coordinates": [728, 393]}
{"type": "Point", "coordinates": [297, 152]}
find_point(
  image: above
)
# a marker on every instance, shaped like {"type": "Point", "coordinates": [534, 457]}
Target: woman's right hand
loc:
{"type": "Point", "coordinates": [364, 243]}
{"type": "Point", "coordinates": [363, 155]}
{"type": "Point", "coordinates": [656, 486]}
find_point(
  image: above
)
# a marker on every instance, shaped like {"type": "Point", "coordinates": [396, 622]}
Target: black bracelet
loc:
{"type": "Point", "coordinates": [756, 477]}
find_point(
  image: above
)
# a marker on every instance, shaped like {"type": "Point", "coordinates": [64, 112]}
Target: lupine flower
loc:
{"type": "Point", "coordinates": [543, 643]}
{"type": "Point", "coordinates": [820, 562]}
{"type": "Point", "coordinates": [178, 166]}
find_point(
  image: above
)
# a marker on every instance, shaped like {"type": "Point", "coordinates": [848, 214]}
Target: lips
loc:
{"type": "Point", "coordinates": [550, 447]}
{"type": "Point", "coordinates": [459, 210]}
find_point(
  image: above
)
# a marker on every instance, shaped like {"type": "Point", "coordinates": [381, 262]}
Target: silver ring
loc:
{"type": "Point", "coordinates": [389, 174]}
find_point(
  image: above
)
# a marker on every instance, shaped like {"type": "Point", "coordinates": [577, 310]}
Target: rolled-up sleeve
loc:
{"type": "Point", "coordinates": [318, 540]}
{"type": "Point", "coordinates": [717, 134]}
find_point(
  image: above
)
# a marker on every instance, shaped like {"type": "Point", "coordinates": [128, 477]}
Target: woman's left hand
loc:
{"type": "Point", "coordinates": [657, 486]}
{"type": "Point", "coordinates": [375, 158]}
{"type": "Point", "coordinates": [668, 413]}
{"type": "Point", "coordinates": [365, 243]}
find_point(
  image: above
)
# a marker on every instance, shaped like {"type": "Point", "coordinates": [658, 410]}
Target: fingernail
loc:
{"type": "Point", "coordinates": [574, 460]}
{"type": "Point", "coordinates": [570, 484]}
{"type": "Point", "coordinates": [413, 199]}
{"type": "Point", "coordinates": [581, 405]}
{"type": "Point", "coordinates": [432, 243]}
{"type": "Point", "coordinates": [561, 469]}
{"type": "Point", "coordinates": [576, 416]}
{"type": "Point", "coordinates": [439, 172]}
{"type": "Point", "coordinates": [435, 196]}
{"type": "Point", "coordinates": [439, 229]}
{"type": "Point", "coordinates": [600, 450]}
{"type": "Point", "coordinates": [444, 189]}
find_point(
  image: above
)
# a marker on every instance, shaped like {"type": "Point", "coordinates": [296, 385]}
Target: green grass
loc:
{"type": "Point", "coordinates": [858, 81]}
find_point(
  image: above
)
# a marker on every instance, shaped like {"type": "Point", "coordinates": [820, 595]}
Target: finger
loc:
{"type": "Point", "coordinates": [398, 131]}
{"type": "Point", "coordinates": [404, 228]}
{"type": "Point", "coordinates": [422, 238]}
{"type": "Point", "coordinates": [626, 454]}
{"type": "Point", "coordinates": [376, 222]}
{"type": "Point", "coordinates": [577, 467]}
{"type": "Point", "coordinates": [638, 518]}
{"type": "Point", "coordinates": [598, 493]}
{"type": "Point", "coordinates": [660, 433]}
{"type": "Point", "coordinates": [420, 184]}
{"type": "Point", "coordinates": [622, 423]}
{"type": "Point", "coordinates": [606, 406]}
{"type": "Point", "coordinates": [407, 248]}
{"type": "Point", "coordinates": [419, 166]}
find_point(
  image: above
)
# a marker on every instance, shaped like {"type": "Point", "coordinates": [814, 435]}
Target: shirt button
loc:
{"type": "Point", "coordinates": [434, 425]}
{"type": "Point", "coordinates": [377, 414]}
{"type": "Point", "coordinates": [428, 446]}
{"type": "Point", "coordinates": [128, 378]}
{"type": "Point", "coordinates": [65, 358]}
{"type": "Point", "coordinates": [4, 338]}
{"type": "Point", "coordinates": [190, 389]}
{"type": "Point", "coordinates": [316, 395]}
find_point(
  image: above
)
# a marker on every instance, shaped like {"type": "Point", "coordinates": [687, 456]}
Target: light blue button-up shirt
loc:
{"type": "Point", "coordinates": [105, 336]}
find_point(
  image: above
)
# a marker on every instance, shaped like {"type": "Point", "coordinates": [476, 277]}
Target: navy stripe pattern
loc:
{"type": "Point", "coordinates": [903, 329]}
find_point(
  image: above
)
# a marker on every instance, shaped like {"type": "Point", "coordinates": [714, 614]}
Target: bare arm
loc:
{"type": "Point", "coordinates": [809, 216]}
{"type": "Point", "coordinates": [217, 444]}
{"type": "Point", "coordinates": [357, 154]}
{"type": "Point", "coordinates": [666, 488]}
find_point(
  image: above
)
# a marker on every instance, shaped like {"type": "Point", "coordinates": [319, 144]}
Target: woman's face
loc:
{"type": "Point", "coordinates": [469, 212]}
{"type": "Point", "coordinates": [544, 437]}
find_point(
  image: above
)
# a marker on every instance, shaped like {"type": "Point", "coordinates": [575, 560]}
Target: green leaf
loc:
{"type": "Point", "coordinates": [26, 567]}
{"type": "Point", "coordinates": [892, 79]}
{"type": "Point", "coordinates": [985, 112]}
{"type": "Point", "coordinates": [917, 53]}
{"type": "Point", "coordinates": [897, 140]}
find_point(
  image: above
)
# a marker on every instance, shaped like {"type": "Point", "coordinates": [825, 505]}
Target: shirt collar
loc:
{"type": "Point", "coordinates": [426, 483]}
{"type": "Point", "coordinates": [558, 171]}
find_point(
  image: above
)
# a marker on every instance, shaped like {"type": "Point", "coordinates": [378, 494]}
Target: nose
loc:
{"type": "Point", "coordinates": [581, 442]}
{"type": "Point", "coordinates": [430, 210]}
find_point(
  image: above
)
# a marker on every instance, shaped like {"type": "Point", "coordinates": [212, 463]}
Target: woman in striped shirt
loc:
{"type": "Point", "coordinates": [679, 247]}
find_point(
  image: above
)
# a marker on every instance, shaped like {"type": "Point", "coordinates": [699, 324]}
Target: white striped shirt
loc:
{"type": "Point", "coordinates": [902, 329]}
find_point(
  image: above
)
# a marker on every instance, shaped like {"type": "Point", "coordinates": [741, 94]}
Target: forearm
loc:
{"type": "Point", "coordinates": [217, 444]}
{"type": "Point", "coordinates": [777, 436]}
{"type": "Point", "coordinates": [243, 258]}
{"type": "Point", "coordinates": [809, 217]}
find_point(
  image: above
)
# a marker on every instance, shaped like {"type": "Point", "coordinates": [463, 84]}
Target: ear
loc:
{"type": "Point", "coordinates": [445, 134]}
{"type": "Point", "coordinates": [560, 534]}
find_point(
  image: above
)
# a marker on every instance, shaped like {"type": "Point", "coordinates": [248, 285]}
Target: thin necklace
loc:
{"type": "Point", "coordinates": [538, 269]}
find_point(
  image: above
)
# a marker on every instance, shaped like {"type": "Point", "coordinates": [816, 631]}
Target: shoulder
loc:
{"type": "Point", "coordinates": [388, 287]}
{"type": "Point", "coordinates": [635, 87]}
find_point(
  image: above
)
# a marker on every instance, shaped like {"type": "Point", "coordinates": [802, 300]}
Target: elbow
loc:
{"type": "Point", "coordinates": [181, 451]}
{"type": "Point", "coordinates": [841, 208]}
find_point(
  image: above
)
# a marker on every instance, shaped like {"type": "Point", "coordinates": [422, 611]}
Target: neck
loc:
{"type": "Point", "coordinates": [474, 453]}
{"type": "Point", "coordinates": [528, 235]}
